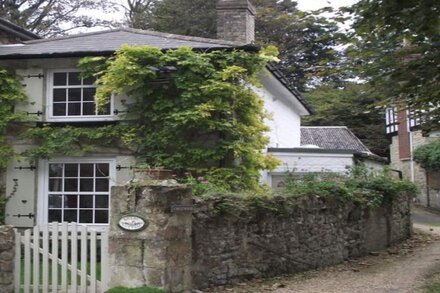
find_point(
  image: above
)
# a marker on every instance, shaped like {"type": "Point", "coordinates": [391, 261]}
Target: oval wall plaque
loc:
{"type": "Point", "coordinates": [132, 223]}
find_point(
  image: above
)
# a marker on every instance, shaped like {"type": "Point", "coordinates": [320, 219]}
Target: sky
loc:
{"type": "Point", "coordinates": [302, 4]}
{"type": "Point", "coordinates": [316, 4]}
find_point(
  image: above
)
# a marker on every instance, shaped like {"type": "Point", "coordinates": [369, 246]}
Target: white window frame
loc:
{"type": "Point", "coordinates": [49, 99]}
{"type": "Point", "coordinates": [43, 185]}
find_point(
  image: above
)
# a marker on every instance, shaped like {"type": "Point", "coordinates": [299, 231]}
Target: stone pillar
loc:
{"type": "Point", "coordinates": [236, 21]}
{"type": "Point", "coordinates": [7, 253]}
{"type": "Point", "coordinates": [159, 255]}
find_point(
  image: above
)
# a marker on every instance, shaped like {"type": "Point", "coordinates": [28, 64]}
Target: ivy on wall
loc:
{"type": "Point", "coordinates": [192, 112]}
{"type": "Point", "coordinates": [11, 92]}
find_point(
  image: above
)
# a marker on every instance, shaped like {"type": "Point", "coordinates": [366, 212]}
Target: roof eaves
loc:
{"type": "Point", "coordinates": [17, 30]}
{"type": "Point", "coordinates": [283, 79]}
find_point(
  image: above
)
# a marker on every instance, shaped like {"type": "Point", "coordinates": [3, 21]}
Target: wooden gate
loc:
{"type": "Point", "coordinates": [61, 257]}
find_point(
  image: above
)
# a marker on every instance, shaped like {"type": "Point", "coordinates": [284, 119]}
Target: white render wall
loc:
{"type": "Point", "coordinates": [284, 110]}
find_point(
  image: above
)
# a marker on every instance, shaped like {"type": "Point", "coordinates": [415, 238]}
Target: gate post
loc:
{"type": "Point", "coordinates": [7, 253]}
{"type": "Point", "coordinates": [150, 236]}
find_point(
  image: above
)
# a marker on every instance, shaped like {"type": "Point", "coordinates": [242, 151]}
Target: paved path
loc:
{"type": "Point", "coordinates": [400, 269]}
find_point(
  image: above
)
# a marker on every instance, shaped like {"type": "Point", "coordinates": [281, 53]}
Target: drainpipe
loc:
{"type": "Point", "coordinates": [411, 147]}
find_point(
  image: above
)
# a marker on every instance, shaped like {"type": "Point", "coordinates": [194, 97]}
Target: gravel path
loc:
{"type": "Point", "coordinates": [403, 268]}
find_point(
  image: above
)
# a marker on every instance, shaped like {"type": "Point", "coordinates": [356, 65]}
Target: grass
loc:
{"type": "Point", "coordinates": [432, 287]}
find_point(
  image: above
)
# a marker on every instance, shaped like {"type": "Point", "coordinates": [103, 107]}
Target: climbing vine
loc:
{"type": "Point", "coordinates": [192, 112]}
{"type": "Point", "coordinates": [11, 93]}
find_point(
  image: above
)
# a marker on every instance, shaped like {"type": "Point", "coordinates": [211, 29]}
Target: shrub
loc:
{"type": "Point", "coordinates": [428, 156]}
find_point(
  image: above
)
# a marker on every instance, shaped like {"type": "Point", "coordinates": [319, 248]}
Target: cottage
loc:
{"type": "Point", "coordinates": [77, 188]}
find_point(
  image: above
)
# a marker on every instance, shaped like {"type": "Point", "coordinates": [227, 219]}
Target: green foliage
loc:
{"type": "Point", "coordinates": [70, 140]}
{"type": "Point", "coordinates": [349, 105]}
{"type": "Point", "coordinates": [11, 93]}
{"type": "Point", "coordinates": [357, 187]}
{"type": "Point", "coordinates": [49, 18]}
{"type": "Point", "coordinates": [201, 118]}
{"type": "Point", "coordinates": [135, 290]}
{"type": "Point", "coordinates": [428, 156]}
{"type": "Point", "coordinates": [395, 48]}
{"type": "Point", "coordinates": [306, 40]}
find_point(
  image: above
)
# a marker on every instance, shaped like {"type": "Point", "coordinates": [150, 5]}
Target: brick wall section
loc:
{"type": "Point", "coordinates": [403, 135]}
{"type": "Point", "coordinates": [7, 252]}
{"type": "Point", "coordinates": [230, 249]}
{"type": "Point", "coordinates": [236, 21]}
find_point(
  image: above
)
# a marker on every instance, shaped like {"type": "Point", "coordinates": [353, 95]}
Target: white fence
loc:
{"type": "Point", "coordinates": [61, 257]}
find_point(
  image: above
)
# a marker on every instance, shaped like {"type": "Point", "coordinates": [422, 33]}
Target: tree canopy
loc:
{"type": "Point", "coordinates": [395, 48]}
{"type": "Point", "coordinates": [49, 18]}
{"type": "Point", "coordinates": [305, 40]}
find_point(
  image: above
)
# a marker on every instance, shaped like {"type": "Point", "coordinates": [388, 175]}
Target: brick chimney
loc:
{"type": "Point", "coordinates": [236, 21]}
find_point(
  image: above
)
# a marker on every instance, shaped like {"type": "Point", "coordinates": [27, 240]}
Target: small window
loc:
{"type": "Point", "coordinates": [71, 97]}
{"type": "Point", "coordinates": [78, 192]}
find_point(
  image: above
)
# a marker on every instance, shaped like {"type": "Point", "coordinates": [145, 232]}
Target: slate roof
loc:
{"type": "Point", "coordinates": [332, 138]}
{"type": "Point", "coordinates": [15, 30]}
{"type": "Point", "coordinates": [107, 41]}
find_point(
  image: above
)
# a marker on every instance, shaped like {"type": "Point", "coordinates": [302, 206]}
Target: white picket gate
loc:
{"type": "Point", "coordinates": [61, 257]}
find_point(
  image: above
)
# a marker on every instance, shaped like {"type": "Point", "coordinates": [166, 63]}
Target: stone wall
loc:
{"type": "Point", "coordinates": [419, 173]}
{"type": "Point", "coordinates": [229, 249]}
{"type": "Point", "coordinates": [7, 252]}
{"type": "Point", "coordinates": [160, 254]}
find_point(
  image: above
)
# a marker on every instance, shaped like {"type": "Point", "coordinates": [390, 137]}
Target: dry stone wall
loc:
{"type": "Point", "coordinates": [228, 249]}
{"type": "Point", "coordinates": [7, 252]}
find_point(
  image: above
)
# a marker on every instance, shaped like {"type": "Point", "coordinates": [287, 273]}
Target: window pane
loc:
{"type": "Point", "coordinates": [86, 185]}
{"type": "Point", "coordinates": [86, 201]}
{"type": "Point", "coordinates": [55, 201]}
{"type": "Point", "coordinates": [89, 94]}
{"type": "Point", "coordinates": [59, 109]}
{"type": "Point", "coordinates": [70, 184]}
{"type": "Point", "coordinates": [74, 109]}
{"type": "Point", "coordinates": [88, 80]}
{"type": "Point", "coordinates": [55, 170]}
{"type": "Point", "coordinates": [101, 201]}
{"type": "Point", "coordinates": [74, 78]}
{"type": "Point", "coordinates": [86, 216]}
{"type": "Point", "coordinates": [86, 170]}
{"type": "Point", "coordinates": [59, 78]}
{"type": "Point", "coordinates": [89, 109]}
{"type": "Point", "coordinates": [74, 95]}
{"type": "Point", "coordinates": [70, 216]}
{"type": "Point", "coordinates": [71, 201]}
{"type": "Point", "coordinates": [102, 170]}
{"type": "Point", "coordinates": [55, 216]}
{"type": "Point", "coordinates": [101, 217]}
{"type": "Point", "coordinates": [55, 185]}
{"type": "Point", "coordinates": [71, 170]}
{"type": "Point", "coordinates": [59, 95]}
{"type": "Point", "coordinates": [101, 185]}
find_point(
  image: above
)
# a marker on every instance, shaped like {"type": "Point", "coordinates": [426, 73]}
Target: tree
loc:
{"type": "Point", "coordinates": [49, 18]}
{"type": "Point", "coordinates": [350, 106]}
{"type": "Point", "coordinates": [138, 13]}
{"type": "Point", "coordinates": [306, 40]}
{"type": "Point", "coordinates": [395, 48]}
